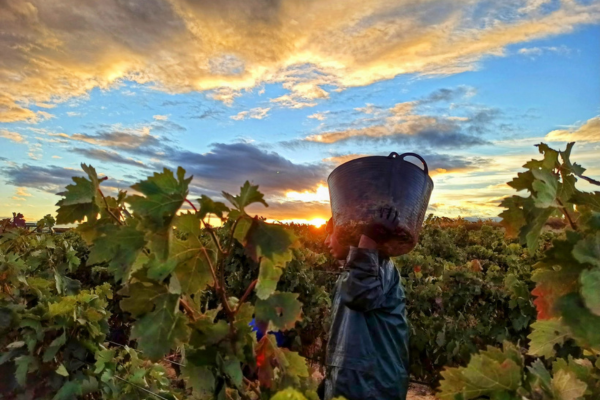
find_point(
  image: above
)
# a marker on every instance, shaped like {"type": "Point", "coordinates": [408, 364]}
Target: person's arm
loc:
{"type": "Point", "coordinates": [362, 289]}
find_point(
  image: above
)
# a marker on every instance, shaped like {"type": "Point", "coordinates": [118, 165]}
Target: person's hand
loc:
{"type": "Point", "coordinates": [382, 226]}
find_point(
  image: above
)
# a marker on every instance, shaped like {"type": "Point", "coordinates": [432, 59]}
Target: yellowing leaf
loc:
{"type": "Point", "coordinates": [566, 386]}
{"type": "Point", "coordinates": [545, 335]}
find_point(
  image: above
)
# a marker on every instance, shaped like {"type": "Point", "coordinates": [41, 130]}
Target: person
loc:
{"type": "Point", "coordinates": [367, 352]}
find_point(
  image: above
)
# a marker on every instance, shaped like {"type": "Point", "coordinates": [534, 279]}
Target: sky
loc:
{"type": "Point", "coordinates": [280, 92]}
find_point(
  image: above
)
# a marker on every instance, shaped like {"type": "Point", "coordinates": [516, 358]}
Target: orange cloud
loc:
{"type": "Point", "coordinates": [13, 136]}
{"type": "Point", "coordinates": [229, 47]}
{"type": "Point", "coordinates": [587, 132]}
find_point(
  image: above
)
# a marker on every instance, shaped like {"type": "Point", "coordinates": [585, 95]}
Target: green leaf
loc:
{"type": "Point", "coordinates": [574, 168]}
{"type": "Point", "coordinates": [69, 391]}
{"type": "Point", "coordinates": [159, 270]}
{"type": "Point", "coordinates": [535, 219]}
{"type": "Point", "coordinates": [248, 194]}
{"type": "Point", "coordinates": [164, 195]}
{"type": "Point", "coordinates": [25, 364]}
{"type": "Point", "coordinates": [61, 370]}
{"type": "Point", "coordinates": [590, 289]}
{"type": "Point", "coordinates": [513, 218]}
{"type": "Point", "coordinates": [233, 370]}
{"type": "Point", "coordinates": [586, 199]}
{"type": "Point", "coordinates": [54, 346]}
{"type": "Point", "coordinates": [490, 373]}
{"type": "Point", "coordinates": [545, 335]}
{"type": "Point", "coordinates": [268, 277]}
{"type": "Point", "coordinates": [296, 364]}
{"type": "Point", "coordinates": [288, 394]}
{"type": "Point", "coordinates": [566, 386]}
{"type": "Point", "coordinates": [545, 186]}
{"type": "Point", "coordinates": [588, 250]}
{"type": "Point", "coordinates": [523, 181]}
{"type": "Point", "coordinates": [66, 285]}
{"type": "Point", "coordinates": [162, 329]}
{"type": "Point", "coordinates": [200, 379]}
{"type": "Point", "coordinates": [541, 374]}
{"type": "Point", "coordinates": [142, 295]}
{"type": "Point", "coordinates": [193, 266]}
{"type": "Point", "coordinates": [585, 326]}
{"type": "Point", "coordinates": [549, 162]}
{"type": "Point", "coordinates": [79, 200]}
{"type": "Point", "coordinates": [207, 333]}
{"type": "Point", "coordinates": [208, 206]}
{"type": "Point", "coordinates": [119, 246]}
{"type": "Point", "coordinates": [283, 310]}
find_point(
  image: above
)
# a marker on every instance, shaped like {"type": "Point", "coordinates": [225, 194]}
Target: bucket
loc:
{"type": "Point", "coordinates": [363, 187]}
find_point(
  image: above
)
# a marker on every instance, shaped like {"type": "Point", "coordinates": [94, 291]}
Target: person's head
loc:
{"type": "Point", "coordinates": [337, 250]}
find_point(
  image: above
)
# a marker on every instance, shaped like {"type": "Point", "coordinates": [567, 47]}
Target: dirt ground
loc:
{"type": "Point", "coordinates": [420, 392]}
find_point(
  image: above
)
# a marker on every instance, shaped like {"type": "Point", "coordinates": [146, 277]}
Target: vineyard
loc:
{"type": "Point", "coordinates": [146, 300]}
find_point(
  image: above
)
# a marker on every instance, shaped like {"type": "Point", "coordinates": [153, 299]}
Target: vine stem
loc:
{"type": "Point", "coordinates": [188, 309]}
{"type": "Point", "coordinates": [249, 290]}
{"type": "Point", "coordinates": [106, 204]}
{"type": "Point", "coordinates": [567, 215]}
{"type": "Point", "coordinates": [191, 204]}
{"type": "Point", "coordinates": [252, 386]}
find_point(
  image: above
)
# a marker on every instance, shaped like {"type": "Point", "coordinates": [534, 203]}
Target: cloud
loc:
{"type": "Point", "coordinates": [51, 179]}
{"type": "Point", "coordinates": [109, 156]}
{"type": "Point", "coordinates": [73, 113]}
{"type": "Point", "coordinates": [255, 113]}
{"type": "Point", "coordinates": [437, 163]}
{"type": "Point", "coordinates": [408, 123]}
{"type": "Point", "coordinates": [13, 136]}
{"type": "Point", "coordinates": [534, 52]}
{"type": "Point", "coordinates": [55, 51]}
{"type": "Point", "coordinates": [132, 140]}
{"type": "Point", "coordinates": [227, 166]}
{"type": "Point", "coordinates": [587, 132]}
{"type": "Point", "coordinates": [161, 117]}
{"type": "Point", "coordinates": [21, 191]}
{"type": "Point", "coordinates": [319, 116]}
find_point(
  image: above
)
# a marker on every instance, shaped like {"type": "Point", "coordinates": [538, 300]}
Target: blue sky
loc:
{"type": "Point", "coordinates": [471, 86]}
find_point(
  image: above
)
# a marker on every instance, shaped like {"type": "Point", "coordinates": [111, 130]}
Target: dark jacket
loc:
{"type": "Point", "coordinates": [367, 353]}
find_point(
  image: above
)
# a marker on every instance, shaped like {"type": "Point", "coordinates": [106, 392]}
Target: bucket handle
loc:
{"type": "Point", "coordinates": [393, 154]}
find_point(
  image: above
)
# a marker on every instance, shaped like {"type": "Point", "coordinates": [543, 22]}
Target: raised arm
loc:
{"type": "Point", "coordinates": [362, 288]}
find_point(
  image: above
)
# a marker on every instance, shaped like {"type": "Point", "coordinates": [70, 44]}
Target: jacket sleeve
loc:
{"type": "Point", "coordinates": [362, 288]}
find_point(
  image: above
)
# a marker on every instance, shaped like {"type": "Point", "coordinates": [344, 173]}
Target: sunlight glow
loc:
{"type": "Point", "coordinates": [321, 194]}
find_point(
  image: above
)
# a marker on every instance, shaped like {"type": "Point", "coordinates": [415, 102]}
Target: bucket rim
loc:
{"type": "Point", "coordinates": [385, 157]}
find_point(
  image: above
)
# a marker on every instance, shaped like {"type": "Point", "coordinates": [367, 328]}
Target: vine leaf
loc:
{"type": "Point", "coordinates": [163, 196]}
{"type": "Point", "coordinates": [270, 244]}
{"type": "Point", "coordinates": [200, 379]}
{"type": "Point", "coordinates": [208, 206]}
{"type": "Point", "coordinates": [489, 372]}
{"type": "Point", "coordinates": [566, 386]}
{"type": "Point", "coordinates": [590, 289]}
{"type": "Point", "coordinates": [141, 296]}
{"type": "Point", "coordinates": [193, 268]}
{"type": "Point", "coordinates": [585, 326]}
{"type": "Point", "coordinates": [79, 200]}
{"type": "Point", "coordinates": [282, 309]}
{"type": "Point", "coordinates": [545, 186]}
{"type": "Point", "coordinates": [588, 250]}
{"type": "Point", "coordinates": [162, 329]}
{"type": "Point", "coordinates": [248, 194]}
{"type": "Point", "coordinates": [120, 247]}
{"type": "Point", "coordinates": [545, 335]}
{"type": "Point", "coordinates": [268, 277]}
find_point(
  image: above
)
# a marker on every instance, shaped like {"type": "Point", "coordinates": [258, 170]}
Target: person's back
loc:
{"type": "Point", "coordinates": [367, 352]}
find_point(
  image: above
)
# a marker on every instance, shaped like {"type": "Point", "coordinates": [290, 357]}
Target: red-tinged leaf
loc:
{"type": "Point", "coordinates": [18, 221]}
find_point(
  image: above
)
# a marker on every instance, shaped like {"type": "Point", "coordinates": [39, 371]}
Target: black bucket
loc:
{"type": "Point", "coordinates": [362, 188]}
